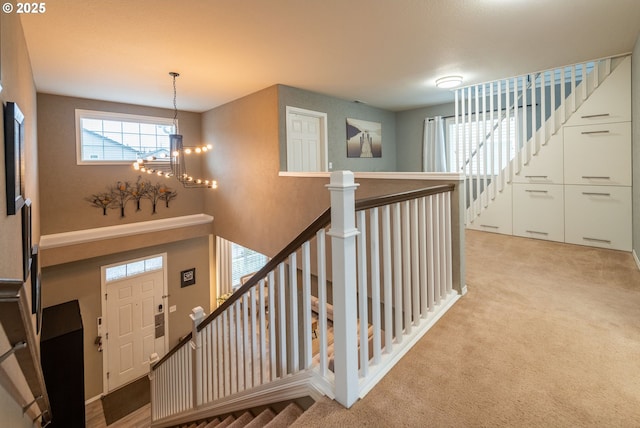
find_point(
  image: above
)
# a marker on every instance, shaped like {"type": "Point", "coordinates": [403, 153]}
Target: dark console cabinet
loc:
{"type": "Point", "coordinates": [61, 353]}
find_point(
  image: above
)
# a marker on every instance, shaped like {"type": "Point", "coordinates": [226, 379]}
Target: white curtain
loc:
{"type": "Point", "coordinates": [224, 269]}
{"type": "Point", "coordinates": [434, 151]}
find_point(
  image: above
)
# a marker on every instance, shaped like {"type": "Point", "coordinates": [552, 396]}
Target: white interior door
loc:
{"type": "Point", "coordinates": [134, 310]}
{"type": "Point", "coordinates": [306, 143]}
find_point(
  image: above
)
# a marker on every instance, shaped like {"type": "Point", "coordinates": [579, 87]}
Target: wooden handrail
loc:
{"type": "Point", "coordinates": [15, 318]}
{"type": "Point", "coordinates": [320, 222]}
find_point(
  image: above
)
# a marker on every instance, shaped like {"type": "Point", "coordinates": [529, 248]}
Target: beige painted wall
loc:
{"type": "Point", "coordinates": [17, 86]}
{"type": "Point", "coordinates": [64, 184]}
{"type": "Point", "coordinates": [81, 280]}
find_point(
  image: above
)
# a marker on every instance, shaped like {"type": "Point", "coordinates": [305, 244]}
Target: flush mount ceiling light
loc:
{"type": "Point", "coordinates": [449, 82]}
{"type": "Point", "coordinates": [176, 165]}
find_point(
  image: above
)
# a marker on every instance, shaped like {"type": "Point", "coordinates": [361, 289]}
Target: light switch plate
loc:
{"type": "Point", "coordinates": [172, 308]}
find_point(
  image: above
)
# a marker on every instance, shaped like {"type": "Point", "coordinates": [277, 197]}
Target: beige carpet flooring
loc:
{"type": "Point", "coordinates": [548, 335]}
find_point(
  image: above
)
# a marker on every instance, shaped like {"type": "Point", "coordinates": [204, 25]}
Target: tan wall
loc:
{"type": "Point", "coordinates": [17, 86]}
{"type": "Point", "coordinates": [81, 280]}
{"type": "Point", "coordinates": [64, 184]}
{"type": "Point", "coordinates": [252, 205]}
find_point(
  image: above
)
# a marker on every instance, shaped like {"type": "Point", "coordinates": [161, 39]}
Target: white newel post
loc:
{"type": "Point", "coordinates": [343, 243]}
{"type": "Point", "coordinates": [197, 315]}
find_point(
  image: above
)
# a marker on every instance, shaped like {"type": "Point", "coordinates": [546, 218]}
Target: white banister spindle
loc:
{"type": "Point", "coordinates": [306, 305]}
{"type": "Point", "coordinates": [294, 349]}
{"type": "Point", "coordinates": [362, 291]}
{"type": "Point", "coordinates": [584, 93]}
{"type": "Point", "coordinates": [397, 272]}
{"type": "Point", "coordinates": [223, 362]}
{"type": "Point", "coordinates": [233, 351]}
{"type": "Point", "coordinates": [264, 307]}
{"type": "Point", "coordinates": [436, 245]}
{"type": "Point", "coordinates": [518, 126]}
{"type": "Point", "coordinates": [485, 151]}
{"type": "Point", "coordinates": [246, 357]}
{"type": "Point", "coordinates": [256, 308]}
{"type": "Point", "coordinates": [563, 96]}
{"type": "Point", "coordinates": [524, 160]}
{"type": "Point", "coordinates": [476, 204]}
{"type": "Point", "coordinates": [572, 104]}
{"type": "Point", "coordinates": [596, 74]}
{"type": "Point", "coordinates": [240, 344]}
{"type": "Point", "coordinates": [457, 132]}
{"type": "Point", "coordinates": [424, 257]}
{"type": "Point", "coordinates": [552, 93]}
{"type": "Point", "coordinates": [415, 262]}
{"type": "Point", "coordinates": [343, 247]}
{"type": "Point", "coordinates": [406, 266]}
{"type": "Point", "coordinates": [387, 284]}
{"type": "Point", "coordinates": [442, 252]}
{"type": "Point", "coordinates": [543, 109]}
{"type": "Point", "coordinates": [534, 119]}
{"type": "Point", "coordinates": [282, 322]}
{"type": "Point", "coordinates": [505, 145]}
{"type": "Point", "coordinates": [493, 140]}
{"type": "Point", "coordinates": [272, 325]}
{"type": "Point", "coordinates": [375, 285]}
{"type": "Point", "coordinates": [322, 299]}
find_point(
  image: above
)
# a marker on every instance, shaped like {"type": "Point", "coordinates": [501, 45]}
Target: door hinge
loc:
{"type": "Point", "coordinates": [107, 375]}
{"type": "Point", "coordinates": [107, 336]}
{"type": "Point", "coordinates": [105, 296]}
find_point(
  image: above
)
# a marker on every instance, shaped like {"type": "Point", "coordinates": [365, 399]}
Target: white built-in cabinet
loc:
{"type": "Point", "coordinates": [577, 189]}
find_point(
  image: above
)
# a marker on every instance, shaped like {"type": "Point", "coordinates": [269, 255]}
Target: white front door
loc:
{"type": "Point", "coordinates": [306, 144]}
{"type": "Point", "coordinates": [134, 309]}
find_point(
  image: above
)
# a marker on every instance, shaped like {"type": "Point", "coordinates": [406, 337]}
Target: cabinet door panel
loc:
{"type": "Point", "coordinates": [598, 154]}
{"type": "Point", "coordinates": [538, 211]}
{"type": "Point", "coordinates": [598, 216]}
{"type": "Point", "coordinates": [546, 167]}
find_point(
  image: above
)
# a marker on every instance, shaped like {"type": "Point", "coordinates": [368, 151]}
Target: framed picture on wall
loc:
{"type": "Point", "coordinates": [14, 160]}
{"type": "Point", "coordinates": [36, 296]}
{"type": "Point", "coordinates": [26, 238]}
{"type": "Point", "coordinates": [364, 139]}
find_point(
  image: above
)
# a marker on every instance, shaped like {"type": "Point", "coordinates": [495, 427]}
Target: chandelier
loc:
{"type": "Point", "coordinates": [176, 165]}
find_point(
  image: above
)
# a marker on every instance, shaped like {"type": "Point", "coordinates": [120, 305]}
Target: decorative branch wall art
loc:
{"type": "Point", "coordinates": [118, 195]}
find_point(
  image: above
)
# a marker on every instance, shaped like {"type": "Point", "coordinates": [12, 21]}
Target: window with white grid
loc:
{"type": "Point", "coordinates": [245, 261]}
{"type": "Point", "coordinates": [113, 138]}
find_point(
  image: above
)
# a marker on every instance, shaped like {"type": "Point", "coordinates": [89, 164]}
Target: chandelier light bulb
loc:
{"type": "Point", "coordinates": [209, 146]}
{"type": "Point", "coordinates": [187, 151]}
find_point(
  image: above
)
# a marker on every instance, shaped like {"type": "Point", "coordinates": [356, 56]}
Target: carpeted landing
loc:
{"type": "Point", "coordinates": [123, 401]}
{"type": "Point", "coordinates": [548, 335]}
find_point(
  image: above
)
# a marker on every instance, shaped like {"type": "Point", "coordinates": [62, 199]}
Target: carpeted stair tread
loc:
{"type": "Point", "coordinates": [226, 422]}
{"type": "Point", "coordinates": [244, 419]}
{"type": "Point", "coordinates": [213, 423]}
{"type": "Point", "coordinates": [286, 417]}
{"type": "Point", "coordinates": [202, 424]}
{"type": "Point", "coordinates": [262, 419]}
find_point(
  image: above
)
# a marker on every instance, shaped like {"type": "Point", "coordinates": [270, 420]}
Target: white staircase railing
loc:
{"type": "Point", "coordinates": [500, 125]}
{"type": "Point", "coordinates": [327, 315]}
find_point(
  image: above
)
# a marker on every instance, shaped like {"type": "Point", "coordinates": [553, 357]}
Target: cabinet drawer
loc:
{"type": "Point", "coordinates": [598, 154]}
{"type": "Point", "coordinates": [599, 216]}
{"type": "Point", "coordinates": [497, 217]}
{"type": "Point", "coordinates": [538, 211]}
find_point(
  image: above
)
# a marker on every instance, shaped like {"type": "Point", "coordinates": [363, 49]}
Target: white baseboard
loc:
{"type": "Point", "coordinates": [635, 257]}
{"type": "Point", "coordinates": [91, 400]}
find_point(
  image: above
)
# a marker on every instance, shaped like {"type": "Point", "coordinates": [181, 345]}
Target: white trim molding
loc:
{"type": "Point", "coordinates": [100, 233]}
{"type": "Point", "coordinates": [384, 175]}
{"type": "Point", "coordinates": [635, 257]}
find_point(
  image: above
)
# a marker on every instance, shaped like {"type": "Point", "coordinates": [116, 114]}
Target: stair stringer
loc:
{"type": "Point", "coordinates": [493, 210]}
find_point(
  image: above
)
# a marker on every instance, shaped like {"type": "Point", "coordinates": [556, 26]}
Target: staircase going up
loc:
{"type": "Point", "coordinates": [501, 126]}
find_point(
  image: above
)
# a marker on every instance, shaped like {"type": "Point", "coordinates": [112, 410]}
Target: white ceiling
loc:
{"type": "Point", "coordinates": [386, 53]}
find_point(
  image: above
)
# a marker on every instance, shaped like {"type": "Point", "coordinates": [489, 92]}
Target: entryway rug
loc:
{"type": "Point", "coordinates": [123, 401]}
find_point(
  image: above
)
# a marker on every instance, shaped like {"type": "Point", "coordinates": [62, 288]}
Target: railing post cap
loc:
{"type": "Point", "coordinates": [197, 313]}
{"type": "Point", "coordinates": [341, 180]}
